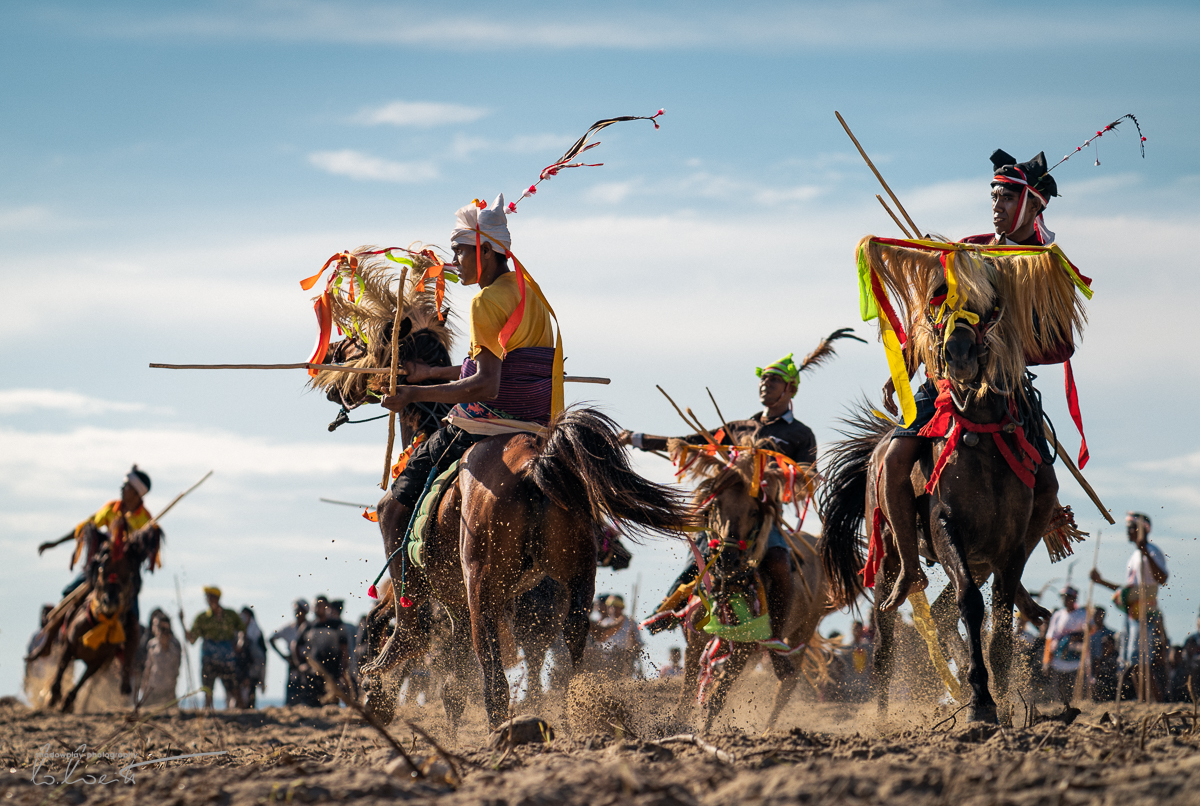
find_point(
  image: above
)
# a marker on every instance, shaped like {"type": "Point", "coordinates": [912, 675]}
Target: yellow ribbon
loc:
{"type": "Point", "coordinates": [108, 630]}
{"type": "Point", "coordinates": [923, 619]}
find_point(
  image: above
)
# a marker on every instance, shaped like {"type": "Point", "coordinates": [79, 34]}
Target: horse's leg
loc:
{"type": "Point", "coordinates": [694, 642]}
{"type": "Point", "coordinates": [730, 672]}
{"type": "Point", "coordinates": [64, 662]}
{"type": "Point", "coordinates": [789, 677]}
{"type": "Point", "coordinates": [1004, 588]}
{"type": "Point", "coordinates": [456, 685]}
{"type": "Point", "coordinates": [536, 625]}
{"type": "Point", "coordinates": [393, 523]}
{"type": "Point", "coordinates": [885, 629]}
{"type": "Point", "coordinates": [971, 610]}
{"type": "Point", "coordinates": [93, 666]}
{"type": "Point", "coordinates": [132, 628]}
{"type": "Point", "coordinates": [944, 611]}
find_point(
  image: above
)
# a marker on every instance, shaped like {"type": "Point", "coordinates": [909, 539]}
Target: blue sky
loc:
{"type": "Point", "coordinates": [168, 174]}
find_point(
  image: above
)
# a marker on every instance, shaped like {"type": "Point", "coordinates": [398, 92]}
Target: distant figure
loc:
{"type": "Point", "coordinates": [619, 638]}
{"type": "Point", "coordinates": [287, 634]}
{"type": "Point", "coordinates": [322, 643]}
{"type": "Point", "coordinates": [862, 660]}
{"type": "Point", "coordinates": [1106, 659]}
{"type": "Point", "coordinates": [252, 659]}
{"type": "Point", "coordinates": [674, 665]}
{"type": "Point", "coordinates": [161, 673]}
{"type": "Point", "coordinates": [219, 629]}
{"type": "Point", "coordinates": [1190, 658]}
{"type": "Point", "coordinates": [1064, 645]}
{"type": "Point", "coordinates": [1147, 566]}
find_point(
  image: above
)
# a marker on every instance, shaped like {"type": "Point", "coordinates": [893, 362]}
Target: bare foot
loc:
{"type": "Point", "coordinates": [906, 583]}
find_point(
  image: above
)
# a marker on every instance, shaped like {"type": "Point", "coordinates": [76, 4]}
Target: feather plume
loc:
{"type": "Point", "coordinates": [825, 350]}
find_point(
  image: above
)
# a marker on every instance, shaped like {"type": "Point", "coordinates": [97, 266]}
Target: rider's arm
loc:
{"type": "Point", "coordinates": [416, 372]}
{"type": "Point", "coordinates": [1099, 580]}
{"type": "Point", "coordinates": [483, 385]}
{"type": "Point", "coordinates": [49, 544]}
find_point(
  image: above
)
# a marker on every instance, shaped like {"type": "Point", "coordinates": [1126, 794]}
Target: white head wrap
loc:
{"type": "Point", "coordinates": [135, 480]}
{"type": "Point", "coordinates": [491, 221]}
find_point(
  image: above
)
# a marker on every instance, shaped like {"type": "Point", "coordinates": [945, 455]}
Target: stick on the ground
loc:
{"type": "Point", "coordinates": [878, 175]}
{"type": "Point", "coordinates": [372, 721]}
{"type": "Point", "coordinates": [1087, 488]}
{"type": "Point", "coordinates": [387, 462]}
{"type": "Point", "coordinates": [907, 234]}
{"type": "Point", "coordinates": [693, 739]}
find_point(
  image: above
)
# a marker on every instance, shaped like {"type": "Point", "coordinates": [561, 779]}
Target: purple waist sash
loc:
{"type": "Point", "coordinates": [526, 382]}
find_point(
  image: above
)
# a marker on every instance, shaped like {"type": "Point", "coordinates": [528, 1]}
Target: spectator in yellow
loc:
{"type": "Point", "coordinates": [219, 630]}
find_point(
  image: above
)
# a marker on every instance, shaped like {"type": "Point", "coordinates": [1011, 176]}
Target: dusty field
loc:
{"type": "Point", "coordinates": [823, 753]}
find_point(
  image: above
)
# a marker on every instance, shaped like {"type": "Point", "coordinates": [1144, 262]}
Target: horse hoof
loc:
{"type": "Point", "coordinates": [380, 706]}
{"type": "Point", "coordinates": [982, 714]}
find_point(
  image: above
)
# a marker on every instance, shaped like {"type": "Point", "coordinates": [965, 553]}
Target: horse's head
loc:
{"type": "Point", "coordinates": [961, 323]}
{"type": "Point", "coordinates": [111, 587]}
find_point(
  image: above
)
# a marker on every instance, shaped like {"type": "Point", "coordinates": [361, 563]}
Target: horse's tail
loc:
{"type": "Point", "coordinates": [582, 467]}
{"type": "Point", "coordinates": [842, 503]}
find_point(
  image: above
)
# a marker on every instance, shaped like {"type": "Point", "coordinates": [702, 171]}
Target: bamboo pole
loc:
{"type": "Point", "coordinates": [387, 462]}
{"type": "Point", "coordinates": [690, 424]}
{"type": "Point", "coordinates": [154, 521]}
{"type": "Point", "coordinates": [878, 176]}
{"type": "Point", "coordinates": [907, 234]}
{"type": "Point", "coordinates": [1083, 678]}
{"type": "Point", "coordinates": [1143, 622]}
{"type": "Point", "coordinates": [1087, 488]}
{"type": "Point", "coordinates": [340, 368]}
{"type": "Point", "coordinates": [347, 503]}
{"type": "Point", "coordinates": [724, 422]}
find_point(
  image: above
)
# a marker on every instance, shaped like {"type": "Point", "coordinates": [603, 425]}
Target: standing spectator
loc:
{"type": "Point", "coordinates": [1064, 645]}
{"type": "Point", "coordinates": [862, 659]}
{"type": "Point", "coordinates": [219, 629]}
{"type": "Point", "coordinates": [252, 659]}
{"type": "Point", "coordinates": [619, 638]}
{"type": "Point", "coordinates": [1146, 567]}
{"type": "Point", "coordinates": [322, 643]}
{"type": "Point", "coordinates": [161, 672]}
{"type": "Point", "coordinates": [1190, 659]}
{"type": "Point", "coordinates": [287, 634]}
{"type": "Point", "coordinates": [1105, 659]}
{"type": "Point", "coordinates": [674, 665]}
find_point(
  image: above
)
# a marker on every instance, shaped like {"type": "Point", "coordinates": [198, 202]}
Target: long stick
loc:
{"type": "Point", "coordinates": [387, 462]}
{"type": "Point", "coordinates": [340, 368]}
{"type": "Point", "coordinates": [1143, 623]}
{"type": "Point", "coordinates": [1087, 488]}
{"type": "Point", "coordinates": [878, 176]}
{"type": "Point", "coordinates": [903, 229]}
{"type": "Point", "coordinates": [346, 503]}
{"type": "Point", "coordinates": [183, 625]}
{"type": "Point", "coordinates": [724, 422]}
{"type": "Point", "coordinates": [154, 521]}
{"type": "Point", "coordinates": [1083, 679]}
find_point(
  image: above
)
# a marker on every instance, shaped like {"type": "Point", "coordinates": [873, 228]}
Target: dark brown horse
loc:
{"type": "Point", "coordinates": [105, 624]}
{"type": "Point", "coordinates": [980, 521]}
{"type": "Point", "coordinates": [524, 507]}
{"type": "Point", "coordinates": [740, 525]}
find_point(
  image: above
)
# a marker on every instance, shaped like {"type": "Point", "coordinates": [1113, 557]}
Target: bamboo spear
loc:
{"type": "Point", "coordinates": [907, 234]}
{"type": "Point", "coordinates": [878, 176]}
{"type": "Point", "coordinates": [341, 368]}
{"type": "Point", "coordinates": [1087, 488]}
{"type": "Point", "coordinates": [1143, 622]}
{"type": "Point", "coordinates": [387, 462]}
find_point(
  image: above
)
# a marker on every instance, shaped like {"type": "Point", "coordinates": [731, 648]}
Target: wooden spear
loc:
{"type": "Point", "coordinates": [387, 462]}
{"type": "Point", "coordinates": [341, 368]}
{"type": "Point", "coordinates": [907, 234]}
{"type": "Point", "coordinates": [1087, 488]}
{"type": "Point", "coordinates": [878, 176]}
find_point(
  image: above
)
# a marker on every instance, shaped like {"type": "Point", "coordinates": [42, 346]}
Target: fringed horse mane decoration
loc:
{"type": "Point", "coordinates": [1017, 298]}
{"type": "Point", "coordinates": [362, 302]}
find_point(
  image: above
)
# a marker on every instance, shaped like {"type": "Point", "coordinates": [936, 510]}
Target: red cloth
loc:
{"type": "Point", "coordinates": [949, 423]}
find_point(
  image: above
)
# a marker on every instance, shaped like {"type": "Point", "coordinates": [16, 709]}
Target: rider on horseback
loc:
{"type": "Point", "coordinates": [117, 518]}
{"type": "Point", "coordinates": [507, 384]}
{"type": "Point", "coordinates": [1020, 193]}
{"type": "Point", "coordinates": [777, 386]}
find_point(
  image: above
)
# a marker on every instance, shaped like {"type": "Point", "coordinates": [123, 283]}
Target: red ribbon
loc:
{"type": "Point", "coordinates": [1076, 415]}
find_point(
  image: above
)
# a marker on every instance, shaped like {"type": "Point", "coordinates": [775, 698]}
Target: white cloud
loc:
{"type": "Point", "coordinates": [20, 401]}
{"type": "Point", "coordinates": [358, 165]}
{"type": "Point", "coordinates": [14, 219]}
{"type": "Point", "coordinates": [464, 146]}
{"type": "Point", "coordinates": [420, 114]}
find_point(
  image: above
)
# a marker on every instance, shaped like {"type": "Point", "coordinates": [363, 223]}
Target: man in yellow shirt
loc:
{"type": "Point", "coordinates": [114, 521]}
{"type": "Point", "coordinates": [508, 379]}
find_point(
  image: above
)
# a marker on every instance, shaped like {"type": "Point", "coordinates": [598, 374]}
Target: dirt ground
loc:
{"type": "Point", "coordinates": [821, 753]}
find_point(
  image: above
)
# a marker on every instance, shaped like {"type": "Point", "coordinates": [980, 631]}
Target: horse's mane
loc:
{"type": "Point", "coordinates": [367, 322]}
{"type": "Point", "coordinates": [713, 472]}
{"type": "Point", "coordinates": [1037, 300]}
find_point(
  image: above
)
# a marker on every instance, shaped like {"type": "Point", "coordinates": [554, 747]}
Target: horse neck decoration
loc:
{"type": "Point", "coordinates": [741, 494]}
{"type": "Point", "coordinates": [366, 313]}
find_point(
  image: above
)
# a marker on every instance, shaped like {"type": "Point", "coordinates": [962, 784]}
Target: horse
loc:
{"type": "Point", "coordinates": [106, 624]}
{"type": "Point", "coordinates": [524, 507]}
{"type": "Point", "coordinates": [981, 517]}
{"type": "Point", "coordinates": [739, 525]}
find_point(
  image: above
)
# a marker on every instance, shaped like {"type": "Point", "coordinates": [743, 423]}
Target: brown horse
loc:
{"type": "Point", "coordinates": [981, 521]}
{"type": "Point", "coordinates": [740, 525]}
{"type": "Point", "coordinates": [524, 507]}
{"type": "Point", "coordinates": [106, 624]}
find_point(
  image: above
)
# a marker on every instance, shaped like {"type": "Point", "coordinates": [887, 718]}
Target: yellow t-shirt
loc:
{"type": "Point", "coordinates": [491, 308]}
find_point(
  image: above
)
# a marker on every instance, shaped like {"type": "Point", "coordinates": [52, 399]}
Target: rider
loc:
{"type": "Point", "coordinates": [777, 386]}
{"type": "Point", "coordinates": [118, 518]}
{"type": "Point", "coordinates": [506, 383]}
{"type": "Point", "coordinates": [1020, 193]}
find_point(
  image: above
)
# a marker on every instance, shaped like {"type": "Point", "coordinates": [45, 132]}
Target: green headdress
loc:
{"type": "Point", "coordinates": [785, 368]}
